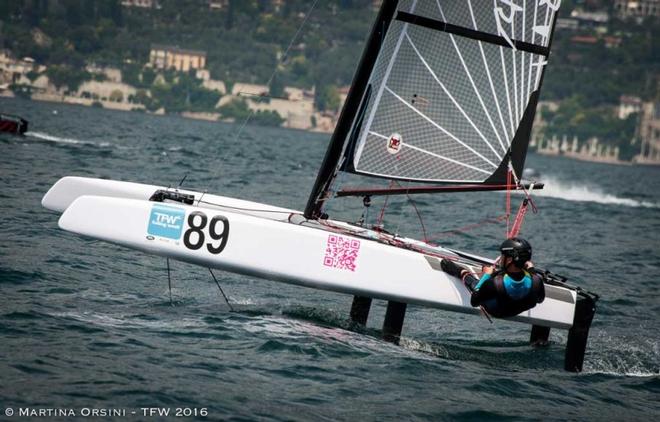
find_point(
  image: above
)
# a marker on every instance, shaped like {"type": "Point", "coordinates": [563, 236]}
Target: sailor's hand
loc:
{"type": "Point", "coordinates": [529, 265]}
{"type": "Point", "coordinates": [487, 269]}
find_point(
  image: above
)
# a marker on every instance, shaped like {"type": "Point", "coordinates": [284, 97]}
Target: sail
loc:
{"type": "Point", "coordinates": [453, 86]}
{"type": "Point", "coordinates": [446, 92]}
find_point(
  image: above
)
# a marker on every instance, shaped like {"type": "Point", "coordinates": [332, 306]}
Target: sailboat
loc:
{"type": "Point", "coordinates": [443, 100]}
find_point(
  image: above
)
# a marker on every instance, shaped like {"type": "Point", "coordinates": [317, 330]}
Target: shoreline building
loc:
{"type": "Point", "coordinates": [637, 8]}
{"type": "Point", "coordinates": [649, 133]}
{"type": "Point", "coordinates": [173, 57]}
{"type": "Point", "coordinates": [628, 105]}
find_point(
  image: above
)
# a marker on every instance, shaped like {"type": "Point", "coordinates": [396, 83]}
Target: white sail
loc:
{"type": "Point", "coordinates": [450, 88]}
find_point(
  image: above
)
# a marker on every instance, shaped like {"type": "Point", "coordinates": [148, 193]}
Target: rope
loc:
{"type": "Point", "coordinates": [272, 76]}
{"type": "Point", "coordinates": [470, 227]}
{"type": "Point", "coordinates": [421, 221]}
{"type": "Point", "coordinates": [382, 211]}
{"type": "Point", "coordinates": [169, 281]}
{"type": "Point", "coordinates": [509, 173]}
{"type": "Point", "coordinates": [221, 291]}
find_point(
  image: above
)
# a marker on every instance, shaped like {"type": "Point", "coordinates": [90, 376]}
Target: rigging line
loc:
{"type": "Point", "coordinates": [470, 227]}
{"type": "Point", "coordinates": [521, 186]}
{"type": "Point", "coordinates": [182, 180]}
{"type": "Point", "coordinates": [419, 216]}
{"type": "Point", "coordinates": [452, 98]}
{"type": "Point", "coordinates": [379, 222]}
{"type": "Point", "coordinates": [169, 280]}
{"type": "Point", "coordinates": [433, 154]}
{"type": "Point", "coordinates": [270, 80]}
{"type": "Point", "coordinates": [474, 86]}
{"type": "Point", "coordinates": [221, 291]}
{"type": "Point", "coordinates": [446, 132]}
{"type": "Point", "coordinates": [244, 209]}
{"type": "Point", "coordinates": [490, 79]}
{"type": "Point", "coordinates": [508, 197]}
{"type": "Point", "coordinates": [515, 74]}
{"type": "Point", "coordinates": [172, 165]}
{"type": "Point", "coordinates": [386, 76]}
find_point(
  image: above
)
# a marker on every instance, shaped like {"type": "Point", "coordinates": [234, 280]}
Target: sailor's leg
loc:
{"type": "Point", "coordinates": [451, 268]}
{"type": "Point", "coordinates": [470, 282]}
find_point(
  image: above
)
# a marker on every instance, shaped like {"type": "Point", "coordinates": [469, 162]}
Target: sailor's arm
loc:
{"type": "Point", "coordinates": [482, 289]}
{"type": "Point", "coordinates": [537, 279]}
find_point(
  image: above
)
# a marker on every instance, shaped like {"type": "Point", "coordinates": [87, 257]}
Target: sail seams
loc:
{"type": "Point", "coordinates": [531, 60]}
{"type": "Point", "coordinates": [474, 87]}
{"type": "Point", "coordinates": [490, 80]}
{"type": "Point", "coordinates": [390, 65]}
{"type": "Point", "coordinates": [451, 97]}
{"type": "Point", "coordinates": [445, 131]}
{"type": "Point", "coordinates": [515, 77]}
{"type": "Point", "coordinates": [470, 33]}
{"type": "Point", "coordinates": [433, 154]}
{"type": "Point", "coordinates": [522, 59]}
{"type": "Point", "coordinates": [506, 89]}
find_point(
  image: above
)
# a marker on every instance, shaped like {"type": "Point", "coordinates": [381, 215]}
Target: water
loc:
{"type": "Point", "coordinates": [86, 324]}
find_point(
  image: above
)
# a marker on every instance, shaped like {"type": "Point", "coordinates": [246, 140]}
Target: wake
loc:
{"type": "Point", "coordinates": [576, 192]}
{"type": "Point", "coordinates": [59, 140]}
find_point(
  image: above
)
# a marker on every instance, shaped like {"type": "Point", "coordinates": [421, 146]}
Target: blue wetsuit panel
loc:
{"type": "Point", "coordinates": [517, 289]}
{"type": "Point", "coordinates": [482, 280]}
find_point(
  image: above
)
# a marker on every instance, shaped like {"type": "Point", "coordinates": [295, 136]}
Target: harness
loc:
{"type": "Point", "coordinates": [505, 305]}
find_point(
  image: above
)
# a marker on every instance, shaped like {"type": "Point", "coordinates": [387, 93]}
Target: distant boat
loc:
{"type": "Point", "coordinates": [13, 124]}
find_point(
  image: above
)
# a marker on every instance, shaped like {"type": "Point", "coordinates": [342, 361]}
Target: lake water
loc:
{"type": "Point", "coordinates": [86, 324]}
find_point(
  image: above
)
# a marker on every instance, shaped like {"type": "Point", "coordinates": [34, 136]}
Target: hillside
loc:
{"type": "Point", "coordinates": [593, 62]}
{"type": "Point", "coordinates": [244, 40]}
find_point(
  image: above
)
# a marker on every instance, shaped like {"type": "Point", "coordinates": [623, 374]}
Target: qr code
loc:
{"type": "Point", "coordinates": [341, 252]}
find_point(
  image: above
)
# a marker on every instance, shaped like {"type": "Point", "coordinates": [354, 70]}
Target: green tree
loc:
{"type": "Point", "coordinates": [66, 76]}
{"type": "Point", "coordinates": [327, 98]}
{"type": "Point", "coordinates": [116, 96]}
{"type": "Point", "coordinates": [276, 86]}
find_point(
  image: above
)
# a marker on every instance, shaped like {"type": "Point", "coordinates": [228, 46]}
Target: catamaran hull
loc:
{"type": "Point", "coordinates": [274, 243]}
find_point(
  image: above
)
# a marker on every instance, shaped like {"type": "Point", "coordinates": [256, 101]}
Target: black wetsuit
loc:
{"type": "Point", "coordinates": [506, 294]}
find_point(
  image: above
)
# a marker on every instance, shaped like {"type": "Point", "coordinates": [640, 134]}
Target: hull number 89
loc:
{"type": "Point", "coordinates": [217, 230]}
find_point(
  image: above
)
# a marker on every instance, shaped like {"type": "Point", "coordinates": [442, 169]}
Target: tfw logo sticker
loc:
{"type": "Point", "coordinates": [166, 222]}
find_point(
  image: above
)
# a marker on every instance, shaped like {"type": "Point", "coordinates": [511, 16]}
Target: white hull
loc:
{"type": "Point", "coordinates": [274, 243]}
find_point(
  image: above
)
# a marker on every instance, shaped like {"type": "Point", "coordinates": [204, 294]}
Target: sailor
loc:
{"type": "Point", "coordinates": [511, 288]}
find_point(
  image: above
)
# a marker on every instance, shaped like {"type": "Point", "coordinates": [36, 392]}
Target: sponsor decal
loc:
{"type": "Point", "coordinates": [341, 252]}
{"type": "Point", "coordinates": [394, 143]}
{"type": "Point", "coordinates": [166, 222]}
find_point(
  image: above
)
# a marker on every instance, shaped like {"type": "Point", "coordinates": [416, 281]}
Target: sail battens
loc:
{"type": "Point", "coordinates": [531, 61]}
{"type": "Point", "coordinates": [490, 78]}
{"type": "Point", "coordinates": [453, 99]}
{"type": "Point", "coordinates": [432, 154]}
{"type": "Point", "coordinates": [515, 86]}
{"type": "Point", "coordinates": [474, 87]}
{"type": "Point", "coordinates": [445, 131]}
{"type": "Point", "coordinates": [439, 25]}
{"type": "Point", "coordinates": [379, 94]}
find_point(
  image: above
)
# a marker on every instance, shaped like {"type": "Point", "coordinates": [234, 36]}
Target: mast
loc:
{"type": "Point", "coordinates": [349, 112]}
